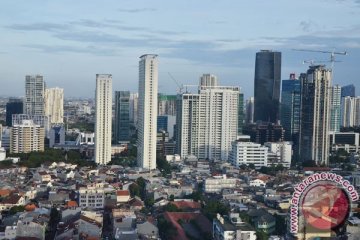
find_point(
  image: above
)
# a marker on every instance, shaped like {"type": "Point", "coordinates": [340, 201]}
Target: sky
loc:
{"type": "Point", "coordinates": [69, 42]}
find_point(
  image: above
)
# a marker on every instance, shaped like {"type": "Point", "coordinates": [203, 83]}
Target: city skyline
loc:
{"type": "Point", "coordinates": [68, 48]}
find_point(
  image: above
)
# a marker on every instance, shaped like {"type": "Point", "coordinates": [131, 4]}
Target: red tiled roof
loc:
{"type": "Point", "coordinates": [4, 192]}
{"type": "Point", "coordinates": [13, 199]}
{"type": "Point", "coordinates": [123, 193]}
{"type": "Point", "coordinates": [186, 205]}
{"type": "Point", "coordinates": [71, 204]}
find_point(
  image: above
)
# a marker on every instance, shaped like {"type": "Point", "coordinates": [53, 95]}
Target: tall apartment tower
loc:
{"type": "Point", "coordinates": [14, 106]}
{"type": "Point", "coordinates": [335, 108]}
{"type": "Point", "coordinates": [290, 107]}
{"type": "Point", "coordinates": [122, 116]}
{"type": "Point", "coordinates": [267, 86]}
{"type": "Point", "coordinates": [207, 122]}
{"type": "Point", "coordinates": [350, 112]}
{"type": "Point", "coordinates": [34, 95]}
{"type": "Point", "coordinates": [147, 111]}
{"type": "Point", "coordinates": [315, 119]}
{"type": "Point", "coordinates": [54, 105]}
{"type": "Point", "coordinates": [208, 80]}
{"type": "Point", "coordinates": [26, 137]}
{"type": "Point", "coordinates": [103, 118]}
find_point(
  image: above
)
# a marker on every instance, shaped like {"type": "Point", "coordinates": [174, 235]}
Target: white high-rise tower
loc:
{"type": "Point", "coordinates": [103, 118]}
{"type": "Point", "coordinates": [147, 111]}
{"type": "Point", "coordinates": [54, 105]}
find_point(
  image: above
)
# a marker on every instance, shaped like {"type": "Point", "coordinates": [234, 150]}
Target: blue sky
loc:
{"type": "Point", "coordinates": [70, 41]}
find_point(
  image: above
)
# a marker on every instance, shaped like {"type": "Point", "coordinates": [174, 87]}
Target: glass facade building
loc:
{"type": "Point", "coordinates": [122, 116]}
{"type": "Point", "coordinates": [14, 106]}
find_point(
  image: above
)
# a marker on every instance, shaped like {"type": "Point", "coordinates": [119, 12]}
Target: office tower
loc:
{"type": "Point", "coordinates": [147, 111]}
{"type": "Point", "coordinates": [263, 132]}
{"type": "Point", "coordinates": [14, 106]}
{"type": "Point", "coordinates": [166, 123]}
{"type": "Point", "coordinates": [350, 112]}
{"type": "Point", "coordinates": [335, 108]}
{"type": "Point", "coordinates": [166, 105]}
{"type": "Point", "coordinates": [348, 90]}
{"type": "Point", "coordinates": [290, 107]}
{"type": "Point", "coordinates": [207, 122]}
{"type": "Point", "coordinates": [208, 80]}
{"type": "Point", "coordinates": [26, 137]}
{"type": "Point", "coordinates": [241, 114]}
{"type": "Point", "coordinates": [103, 117]}
{"type": "Point", "coordinates": [267, 86]}
{"type": "Point", "coordinates": [34, 95]}
{"type": "Point", "coordinates": [122, 116]}
{"type": "Point", "coordinates": [54, 105]}
{"type": "Point", "coordinates": [133, 109]}
{"type": "Point", "coordinates": [315, 115]}
{"type": "Point", "coordinates": [249, 118]}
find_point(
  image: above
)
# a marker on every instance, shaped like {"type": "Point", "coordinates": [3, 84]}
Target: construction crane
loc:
{"type": "Point", "coordinates": [312, 62]}
{"type": "Point", "coordinates": [332, 54]}
{"type": "Point", "coordinates": [180, 87]}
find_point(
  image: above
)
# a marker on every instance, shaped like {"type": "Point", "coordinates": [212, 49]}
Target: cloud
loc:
{"type": "Point", "coordinates": [136, 10]}
{"type": "Point", "coordinates": [39, 27]}
{"type": "Point", "coordinates": [308, 26]}
{"type": "Point", "coordinates": [64, 48]}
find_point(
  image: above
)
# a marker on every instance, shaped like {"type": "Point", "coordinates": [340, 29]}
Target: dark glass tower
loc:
{"type": "Point", "coordinates": [14, 106]}
{"type": "Point", "coordinates": [348, 90]}
{"type": "Point", "coordinates": [267, 86]}
{"type": "Point", "coordinates": [122, 116]}
{"type": "Point", "coordinates": [290, 108]}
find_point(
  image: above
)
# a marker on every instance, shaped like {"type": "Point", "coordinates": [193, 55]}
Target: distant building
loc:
{"type": "Point", "coordinates": [147, 111]}
{"type": "Point", "coordinates": [56, 135]}
{"type": "Point", "coordinates": [249, 116]}
{"type": "Point", "coordinates": [14, 106]}
{"type": "Point", "coordinates": [166, 105]}
{"type": "Point", "coordinates": [122, 116]}
{"type": "Point", "coordinates": [26, 137]}
{"type": "Point", "coordinates": [241, 113]}
{"type": "Point", "coordinates": [290, 108]}
{"type": "Point", "coordinates": [54, 105]}
{"type": "Point", "coordinates": [217, 184]}
{"type": "Point", "coordinates": [133, 109]}
{"type": "Point", "coordinates": [350, 112]}
{"type": "Point", "coordinates": [41, 120]}
{"type": "Point", "coordinates": [92, 196]}
{"type": "Point", "coordinates": [263, 132]}
{"type": "Point", "coordinates": [166, 123]}
{"type": "Point", "coordinates": [103, 118]}
{"type": "Point", "coordinates": [245, 153]}
{"type": "Point", "coordinates": [267, 86]}
{"type": "Point", "coordinates": [232, 227]}
{"type": "Point", "coordinates": [34, 95]}
{"type": "Point", "coordinates": [315, 119]}
{"type": "Point", "coordinates": [207, 122]}
{"type": "Point", "coordinates": [208, 80]}
{"type": "Point", "coordinates": [348, 141]}
{"type": "Point", "coordinates": [348, 91]}
{"type": "Point", "coordinates": [282, 152]}
{"type": "Point", "coordinates": [335, 108]}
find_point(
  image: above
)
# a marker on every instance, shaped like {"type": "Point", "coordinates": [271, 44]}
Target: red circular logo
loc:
{"type": "Point", "coordinates": [325, 206]}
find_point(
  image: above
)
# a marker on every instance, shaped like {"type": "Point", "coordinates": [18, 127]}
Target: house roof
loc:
{"type": "Point", "coordinates": [123, 193]}
{"type": "Point", "coordinates": [4, 192]}
{"type": "Point", "coordinates": [186, 205]}
{"type": "Point", "coordinates": [12, 199]}
{"type": "Point", "coordinates": [71, 204]}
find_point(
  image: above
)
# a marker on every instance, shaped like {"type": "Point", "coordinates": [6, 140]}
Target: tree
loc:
{"type": "Point", "coordinates": [166, 229]}
{"type": "Point", "coordinates": [16, 209]}
{"type": "Point", "coordinates": [171, 198]}
{"type": "Point", "coordinates": [214, 207]}
{"type": "Point", "coordinates": [134, 190]}
{"type": "Point", "coordinates": [261, 235]}
{"type": "Point", "coordinates": [171, 208]}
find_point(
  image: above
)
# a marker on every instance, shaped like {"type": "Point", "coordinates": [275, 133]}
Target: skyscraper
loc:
{"type": "Point", "coordinates": [122, 116]}
{"type": "Point", "coordinates": [350, 112]}
{"type": "Point", "coordinates": [103, 118]}
{"type": "Point", "coordinates": [335, 108]}
{"type": "Point", "coordinates": [207, 122]}
{"type": "Point", "coordinates": [267, 86]}
{"type": "Point", "coordinates": [249, 118]}
{"type": "Point", "coordinates": [133, 109]}
{"type": "Point", "coordinates": [241, 114]}
{"type": "Point", "coordinates": [147, 111]}
{"type": "Point", "coordinates": [208, 80]}
{"type": "Point", "coordinates": [348, 90]}
{"type": "Point", "coordinates": [54, 105]}
{"type": "Point", "coordinates": [290, 107]}
{"type": "Point", "coordinates": [34, 95]}
{"type": "Point", "coordinates": [315, 119]}
{"type": "Point", "coordinates": [14, 106]}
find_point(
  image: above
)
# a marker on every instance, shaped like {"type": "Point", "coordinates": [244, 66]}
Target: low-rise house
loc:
{"type": "Point", "coordinates": [12, 201]}
{"type": "Point", "coordinates": [122, 196]}
{"type": "Point", "coordinates": [92, 196]}
{"type": "Point", "coordinates": [231, 228]}
{"type": "Point", "coordinates": [42, 176]}
{"type": "Point", "coordinates": [218, 183]}
{"type": "Point", "coordinates": [147, 230]}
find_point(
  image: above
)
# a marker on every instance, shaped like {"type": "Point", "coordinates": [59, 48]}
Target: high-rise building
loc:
{"type": "Point", "coordinates": [41, 120]}
{"type": "Point", "coordinates": [263, 132]}
{"type": "Point", "coordinates": [315, 115]}
{"type": "Point", "coordinates": [207, 122]}
{"type": "Point", "coordinates": [14, 106]}
{"type": "Point", "coordinates": [208, 80]}
{"type": "Point", "coordinates": [335, 108]}
{"type": "Point", "coordinates": [166, 105]}
{"type": "Point", "coordinates": [348, 90]}
{"type": "Point", "coordinates": [133, 109]}
{"type": "Point", "coordinates": [54, 105]}
{"type": "Point", "coordinates": [26, 137]}
{"type": "Point", "coordinates": [122, 116]}
{"type": "Point", "coordinates": [350, 112]}
{"type": "Point", "coordinates": [267, 86]}
{"type": "Point", "coordinates": [290, 107]}
{"type": "Point", "coordinates": [103, 117]}
{"type": "Point", "coordinates": [34, 95]}
{"type": "Point", "coordinates": [245, 153]}
{"type": "Point", "coordinates": [249, 116]}
{"type": "Point", "coordinates": [241, 114]}
{"type": "Point", "coordinates": [147, 111]}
